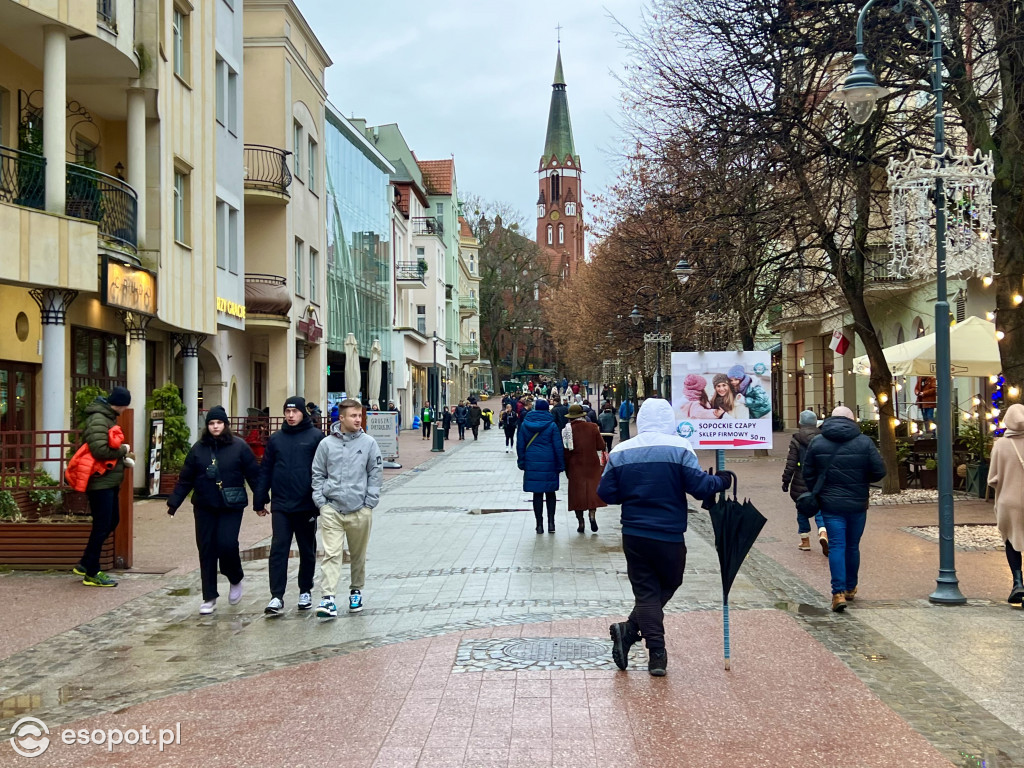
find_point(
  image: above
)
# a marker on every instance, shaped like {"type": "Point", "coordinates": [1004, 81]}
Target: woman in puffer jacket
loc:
{"type": "Point", "coordinates": [793, 479]}
{"type": "Point", "coordinates": [754, 395]}
{"type": "Point", "coordinates": [541, 456]}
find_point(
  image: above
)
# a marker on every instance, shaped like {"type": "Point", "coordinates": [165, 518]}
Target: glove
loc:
{"type": "Point", "coordinates": [126, 448]}
{"type": "Point", "coordinates": [171, 510]}
{"type": "Point", "coordinates": [730, 478]}
{"type": "Point", "coordinates": [129, 461]}
{"type": "Point", "coordinates": [785, 488]}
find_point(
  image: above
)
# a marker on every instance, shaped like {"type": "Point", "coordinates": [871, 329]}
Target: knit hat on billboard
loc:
{"type": "Point", "coordinates": [693, 386]}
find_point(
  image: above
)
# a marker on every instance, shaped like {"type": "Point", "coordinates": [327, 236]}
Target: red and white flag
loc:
{"type": "Point", "coordinates": [839, 343]}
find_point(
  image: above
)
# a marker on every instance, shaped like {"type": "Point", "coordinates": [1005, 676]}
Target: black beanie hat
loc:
{"type": "Point", "coordinates": [217, 413]}
{"type": "Point", "coordinates": [295, 401]}
{"type": "Point", "coordinates": [119, 396]}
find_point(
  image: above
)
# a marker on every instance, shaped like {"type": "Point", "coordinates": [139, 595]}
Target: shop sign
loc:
{"type": "Point", "coordinates": [231, 308]}
{"type": "Point", "coordinates": [311, 328]}
{"type": "Point", "coordinates": [127, 287]}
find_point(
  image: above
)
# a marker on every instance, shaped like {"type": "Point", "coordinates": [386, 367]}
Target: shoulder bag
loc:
{"type": "Point", "coordinates": [807, 503]}
{"type": "Point", "coordinates": [233, 498]}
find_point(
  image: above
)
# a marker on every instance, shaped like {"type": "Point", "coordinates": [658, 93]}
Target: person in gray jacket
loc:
{"type": "Point", "coordinates": [347, 474]}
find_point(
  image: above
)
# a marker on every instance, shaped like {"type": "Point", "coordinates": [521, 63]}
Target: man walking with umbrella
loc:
{"type": "Point", "coordinates": [650, 476]}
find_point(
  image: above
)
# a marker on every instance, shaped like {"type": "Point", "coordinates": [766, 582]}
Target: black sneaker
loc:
{"type": "Point", "coordinates": [657, 662]}
{"type": "Point", "coordinates": [623, 638]}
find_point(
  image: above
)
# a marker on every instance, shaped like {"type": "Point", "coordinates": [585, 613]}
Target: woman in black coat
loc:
{"type": "Point", "coordinates": [215, 471]}
{"type": "Point", "coordinates": [509, 421]}
{"type": "Point", "coordinates": [446, 421]}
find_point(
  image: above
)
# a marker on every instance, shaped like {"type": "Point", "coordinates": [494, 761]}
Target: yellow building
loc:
{"type": "Point", "coordinates": [108, 261]}
{"type": "Point", "coordinates": [286, 280]}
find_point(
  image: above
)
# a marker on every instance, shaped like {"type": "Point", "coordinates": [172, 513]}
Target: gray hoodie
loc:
{"type": "Point", "coordinates": [347, 471]}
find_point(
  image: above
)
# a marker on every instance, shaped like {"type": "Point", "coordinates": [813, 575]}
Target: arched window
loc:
{"type": "Point", "coordinates": [561, 234]}
{"type": "Point", "coordinates": [570, 209]}
{"type": "Point", "coordinates": [551, 234]}
{"type": "Point", "coordinates": [919, 330]}
{"type": "Point", "coordinates": [900, 337]}
{"type": "Point", "coordinates": [556, 187]}
{"type": "Point", "coordinates": [472, 264]}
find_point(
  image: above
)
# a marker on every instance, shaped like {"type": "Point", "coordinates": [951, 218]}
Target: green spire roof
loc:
{"type": "Point", "coordinates": [558, 141]}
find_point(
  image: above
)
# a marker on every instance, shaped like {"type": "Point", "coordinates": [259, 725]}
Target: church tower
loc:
{"type": "Point", "coordinates": [560, 203]}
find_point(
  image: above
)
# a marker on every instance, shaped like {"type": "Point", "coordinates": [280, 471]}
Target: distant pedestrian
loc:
{"type": "Point", "coordinates": [626, 411]}
{"type": "Point", "coordinates": [485, 416]}
{"type": "Point", "coordinates": [103, 490]}
{"type": "Point", "coordinates": [558, 411]}
{"type": "Point", "coordinates": [583, 467]}
{"type": "Point", "coordinates": [461, 419]}
{"type": "Point", "coordinates": [606, 422]}
{"type": "Point", "coordinates": [286, 481]}
{"type": "Point", "coordinates": [334, 413]}
{"type": "Point", "coordinates": [793, 479]}
{"type": "Point", "coordinates": [509, 421]}
{"type": "Point", "coordinates": [426, 417]}
{"type": "Point", "coordinates": [541, 457]}
{"type": "Point", "coordinates": [348, 471]}
{"type": "Point", "coordinates": [926, 390]}
{"type": "Point", "coordinates": [849, 462]}
{"type": "Point", "coordinates": [314, 412]}
{"type": "Point", "coordinates": [446, 420]}
{"type": "Point", "coordinates": [215, 472]}
{"type": "Point", "coordinates": [1006, 475]}
{"type": "Point", "coordinates": [475, 414]}
{"type": "Point", "coordinates": [650, 476]}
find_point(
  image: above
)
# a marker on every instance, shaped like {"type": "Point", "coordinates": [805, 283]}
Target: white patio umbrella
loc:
{"type": "Point", "coordinates": [973, 349]}
{"type": "Point", "coordinates": [352, 366]}
{"type": "Point", "coordinates": [374, 375]}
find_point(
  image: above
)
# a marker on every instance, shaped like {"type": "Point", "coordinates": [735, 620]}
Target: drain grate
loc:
{"type": "Point", "coordinates": [559, 649]}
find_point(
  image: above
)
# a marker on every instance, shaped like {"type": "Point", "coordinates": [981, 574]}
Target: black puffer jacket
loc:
{"type": "Point", "coordinates": [793, 474]}
{"type": "Point", "coordinates": [857, 464]}
{"type": "Point", "coordinates": [286, 472]}
{"type": "Point", "coordinates": [237, 466]}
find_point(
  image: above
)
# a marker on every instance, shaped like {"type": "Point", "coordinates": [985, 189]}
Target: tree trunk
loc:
{"type": "Point", "coordinates": [1009, 283]}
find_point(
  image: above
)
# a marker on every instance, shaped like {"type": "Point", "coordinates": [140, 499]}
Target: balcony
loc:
{"type": "Point", "coordinates": [469, 350]}
{"type": "Point", "coordinates": [427, 225]}
{"type": "Point", "coordinates": [468, 306]}
{"type": "Point", "coordinates": [22, 178]}
{"type": "Point", "coordinates": [268, 302]}
{"type": "Point", "coordinates": [105, 13]}
{"type": "Point", "coordinates": [106, 200]}
{"type": "Point", "coordinates": [410, 274]}
{"type": "Point", "coordinates": [266, 174]}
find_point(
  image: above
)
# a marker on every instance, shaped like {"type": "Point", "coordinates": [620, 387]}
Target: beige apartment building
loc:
{"type": "Point", "coordinates": [285, 211]}
{"type": "Point", "coordinates": [474, 373]}
{"type": "Point", "coordinates": [108, 266]}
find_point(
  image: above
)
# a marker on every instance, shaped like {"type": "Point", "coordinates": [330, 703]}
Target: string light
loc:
{"type": "Point", "coordinates": [1000, 335]}
{"type": "Point", "coordinates": [976, 401]}
{"type": "Point", "coordinates": [1017, 298]}
{"type": "Point", "coordinates": [1014, 391]}
{"type": "Point", "coordinates": [992, 380]}
{"type": "Point", "coordinates": [883, 398]}
{"type": "Point", "coordinates": [896, 422]}
{"type": "Point", "coordinates": [990, 316]}
{"type": "Point", "coordinates": [986, 280]}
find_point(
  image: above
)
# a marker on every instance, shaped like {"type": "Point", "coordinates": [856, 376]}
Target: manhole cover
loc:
{"type": "Point", "coordinates": [558, 649]}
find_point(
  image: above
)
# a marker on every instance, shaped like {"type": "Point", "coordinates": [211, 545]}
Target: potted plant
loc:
{"type": "Point", "coordinates": [930, 474]}
{"type": "Point", "coordinates": [903, 451]}
{"type": "Point", "coordinates": [422, 265]}
{"type": "Point", "coordinates": [975, 439]}
{"type": "Point", "coordinates": [177, 439]}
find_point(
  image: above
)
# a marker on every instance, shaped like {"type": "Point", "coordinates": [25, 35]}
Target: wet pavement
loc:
{"type": "Point", "coordinates": [483, 643]}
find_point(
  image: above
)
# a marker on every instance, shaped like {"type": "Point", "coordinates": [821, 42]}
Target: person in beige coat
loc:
{"type": "Point", "coordinates": [1006, 475]}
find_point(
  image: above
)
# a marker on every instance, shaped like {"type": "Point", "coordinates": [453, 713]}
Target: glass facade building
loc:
{"type": "Point", "coordinates": [358, 240]}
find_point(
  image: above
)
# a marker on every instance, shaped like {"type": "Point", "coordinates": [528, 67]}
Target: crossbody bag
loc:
{"type": "Point", "coordinates": [232, 497]}
{"type": "Point", "coordinates": [807, 503]}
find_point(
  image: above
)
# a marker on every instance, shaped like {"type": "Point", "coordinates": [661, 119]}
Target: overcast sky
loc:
{"type": "Point", "coordinates": [473, 80]}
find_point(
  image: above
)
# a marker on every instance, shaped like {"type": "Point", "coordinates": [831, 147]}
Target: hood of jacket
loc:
{"type": "Point", "coordinates": [840, 429]}
{"type": "Point", "coordinates": [804, 435]}
{"type": "Point", "coordinates": [537, 419]}
{"type": "Point", "coordinates": [337, 432]}
{"type": "Point", "coordinates": [656, 416]}
{"type": "Point", "coordinates": [1014, 418]}
{"type": "Point", "coordinates": [302, 426]}
{"type": "Point", "coordinates": [99, 405]}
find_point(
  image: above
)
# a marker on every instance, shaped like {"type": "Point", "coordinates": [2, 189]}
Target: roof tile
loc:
{"type": "Point", "coordinates": [437, 175]}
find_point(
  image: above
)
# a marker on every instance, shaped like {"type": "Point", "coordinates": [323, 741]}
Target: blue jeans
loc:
{"type": "Point", "coordinates": [928, 414]}
{"type": "Point", "coordinates": [844, 532]}
{"type": "Point", "coordinates": [803, 524]}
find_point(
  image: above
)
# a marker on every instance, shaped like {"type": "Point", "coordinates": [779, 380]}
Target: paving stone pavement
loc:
{"type": "Point", "coordinates": [437, 566]}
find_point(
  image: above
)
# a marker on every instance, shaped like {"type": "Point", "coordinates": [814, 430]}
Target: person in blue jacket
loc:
{"type": "Point", "coordinates": [650, 476]}
{"type": "Point", "coordinates": [541, 457]}
{"type": "Point", "coordinates": [626, 411]}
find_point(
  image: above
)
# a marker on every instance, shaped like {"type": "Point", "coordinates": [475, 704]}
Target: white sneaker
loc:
{"type": "Point", "coordinates": [274, 607]}
{"type": "Point", "coordinates": [208, 607]}
{"type": "Point", "coordinates": [235, 593]}
{"type": "Point", "coordinates": [305, 601]}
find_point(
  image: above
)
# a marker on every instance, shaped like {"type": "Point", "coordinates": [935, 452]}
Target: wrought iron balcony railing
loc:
{"type": "Point", "coordinates": [469, 349]}
{"type": "Point", "coordinates": [107, 200]}
{"type": "Point", "coordinates": [410, 270]}
{"type": "Point", "coordinates": [105, 13]}
{"type": "Point", "coordinates": [468, 304]}
{"type": "Point", "coordinates": [22, 178]}
{"type": "Point", "coordinates": [427, 225]}
{"type": "Point", "coordinates": [267, 168]}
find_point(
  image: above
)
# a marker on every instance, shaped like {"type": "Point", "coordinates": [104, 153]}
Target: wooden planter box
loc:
{"type": "Point", "coordinates": [929, 478]}
{"type": "Point", "coordinates": [57, 545]}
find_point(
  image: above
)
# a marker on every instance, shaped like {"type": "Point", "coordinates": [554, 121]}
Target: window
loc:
{"type": "Point", "coordinates": [179, 29]}
{"type": "Point", "coordinates": [181, 201]}
{"type": "Point", "coordinates": [298, 266]}
{"type": "Point", "coordinates": [561, 234]}
{"type": "Point", "coordinates": [233, 101]}
{"type": "Point", "coordinates": [312, 166]}
{"type": "Point", "coordinates": [222, 235]}
{"type": "Point", "coordinates": [314, 266]}
{"type": "Point", "coordinates": [472, 264]}
{"type": "Point", "coordinates": [297, 149]}
{"type": "Point", "coordinates": [570, 209]}
{"type": "Point", "coordinates": [556, 187]}
{"type": "Point", "coordinates": [440, 210]}
{"type": "Point", "coordinates": [421, 253]}
{"type": "Point", "coordinates": [222, 106]}
{"type": "Point", "coordinates": [233, 249]}
{"type": "Point", "coordinates": [551, 236]}
{"type": "Point", "coordinates": [421, 318]}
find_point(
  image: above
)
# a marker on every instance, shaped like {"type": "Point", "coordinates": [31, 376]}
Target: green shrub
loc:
{"type": "Point", "coordinates": [869, 427]}
{"type": "Point", "coordinates": [8, 508]}
{"type": "Point", "coordinates": [177, 439]}
{"type": "Point", "coordinates": [83, 399]}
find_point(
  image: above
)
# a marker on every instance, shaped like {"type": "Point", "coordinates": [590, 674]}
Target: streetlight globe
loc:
{"type": "Point", "coordinates": [635, 316]}
{"type": "Point", "coordinates": [860, 91]}
{"type": "Point", "coordinates": [682, 270]}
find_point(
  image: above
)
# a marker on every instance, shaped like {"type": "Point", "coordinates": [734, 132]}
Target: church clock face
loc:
{"type": "Point", "coordinates": [554, 215]}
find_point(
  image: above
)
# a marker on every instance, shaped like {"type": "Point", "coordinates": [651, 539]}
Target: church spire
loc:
{"type": "Point", "coordinates": [558, 143]}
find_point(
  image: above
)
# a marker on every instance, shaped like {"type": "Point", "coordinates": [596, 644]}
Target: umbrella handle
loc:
{"type": "Point", "coordinates": [725, 629]}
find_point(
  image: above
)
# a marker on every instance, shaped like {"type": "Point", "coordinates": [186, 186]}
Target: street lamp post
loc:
{"type": "Point", "coordinates": [435, 380]}
{"type": "Point", "coordinates": [636, 317]}
{"type": "Point", "coordinates": [859, 92]}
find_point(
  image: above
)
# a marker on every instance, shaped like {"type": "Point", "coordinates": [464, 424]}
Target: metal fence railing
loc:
{"type": "Point", "coordinates": [22, 178]}
{"type": "Point", "coordinates": [267, 168]}
{"type": "Point", "coordinates": [105, 199]}
{"type": "Point", "coordinates": [410, 270]}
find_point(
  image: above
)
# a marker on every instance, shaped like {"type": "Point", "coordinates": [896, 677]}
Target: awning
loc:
{"type": "Point", "coordinates": [973, 348]}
